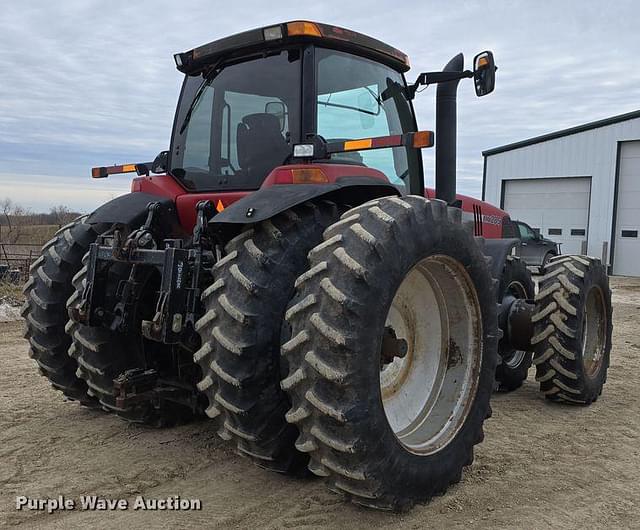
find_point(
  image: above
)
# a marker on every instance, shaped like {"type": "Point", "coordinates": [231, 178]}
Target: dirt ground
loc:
{"type": "Point", "coordinates": [541, 465]}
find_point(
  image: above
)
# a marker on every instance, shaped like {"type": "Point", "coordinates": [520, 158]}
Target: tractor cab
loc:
{"type": "Point", "coordinates": [247, 100]}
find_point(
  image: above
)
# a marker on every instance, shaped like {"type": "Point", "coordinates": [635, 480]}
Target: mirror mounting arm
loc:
{"type": "Point", "coordinates": [432, 78]}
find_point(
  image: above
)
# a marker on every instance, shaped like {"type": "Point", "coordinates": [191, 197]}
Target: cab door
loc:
{"type": "Point", "coordinates": [529, 250]}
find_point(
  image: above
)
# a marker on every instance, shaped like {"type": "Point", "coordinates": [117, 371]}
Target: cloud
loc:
{"type": "Point", "coordinates": [87, 82]}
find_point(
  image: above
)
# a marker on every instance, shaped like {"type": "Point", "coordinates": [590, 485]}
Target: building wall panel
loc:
{"type": "Point", "coordinates": [587, 153]}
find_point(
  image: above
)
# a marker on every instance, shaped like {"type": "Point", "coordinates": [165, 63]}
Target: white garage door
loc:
{"type": "Point", "coordinates": [558, 207]}
{"type": "Point", "coordinates": [626, 259]}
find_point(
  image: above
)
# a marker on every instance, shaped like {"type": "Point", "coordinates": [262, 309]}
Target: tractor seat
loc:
{"type": "Point", "coordinates": [261, 146]}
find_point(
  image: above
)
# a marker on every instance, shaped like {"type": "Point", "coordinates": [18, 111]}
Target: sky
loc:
{"type": "Point", "coordinates": [93, 82]}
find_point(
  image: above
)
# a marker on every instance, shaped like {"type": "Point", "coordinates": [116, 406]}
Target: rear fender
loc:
{"type": "Point", "coordinates": [498, 250]}
{"type": "Point", "coordinates": [131, 210]}
{"type": "Point", "coordinates": [270, 201]}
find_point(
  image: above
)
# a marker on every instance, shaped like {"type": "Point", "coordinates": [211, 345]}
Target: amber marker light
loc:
{"type": "Point", "coordinates": [301, 27]}
{"type": "Point", "coordinates": [356, 145]}
{"type": "Point", "coordinates": [105, 171]}
{"type": "Point", "coordinates": [308, 176]}
{"type": "Point", "coordinates": [422, 139]}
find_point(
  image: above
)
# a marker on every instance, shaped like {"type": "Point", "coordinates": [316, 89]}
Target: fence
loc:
{"type": "Point", "coordinates": [15, 260]}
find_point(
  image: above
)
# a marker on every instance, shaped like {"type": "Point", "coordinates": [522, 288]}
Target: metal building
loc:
{"type": "Point", "coordinates": [579, 187]}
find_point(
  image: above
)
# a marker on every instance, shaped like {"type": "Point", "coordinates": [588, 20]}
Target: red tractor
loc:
{"type": "Point", "coordinates": [283, 270]}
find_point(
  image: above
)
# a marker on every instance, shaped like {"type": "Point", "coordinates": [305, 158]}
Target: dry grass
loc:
{"type": "Point", "coordinates": [29, 234]}
{"type": "Point", "coordinates": [11, 292]}
{"type": "Point", "coordinates": [38, 234]}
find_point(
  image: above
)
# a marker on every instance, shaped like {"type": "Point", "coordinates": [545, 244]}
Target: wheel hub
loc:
{"type": "Point", "coordinates": [428, 392]}
{"type": "Point", "coordinates": [392, 346]}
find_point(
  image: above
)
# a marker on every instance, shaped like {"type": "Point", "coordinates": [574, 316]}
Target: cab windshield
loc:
{"type": "Point", "coordinates": [235, 124]}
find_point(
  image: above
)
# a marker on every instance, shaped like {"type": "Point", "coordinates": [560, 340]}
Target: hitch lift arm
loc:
{"type": "Point", "coordinates": [179, 299]}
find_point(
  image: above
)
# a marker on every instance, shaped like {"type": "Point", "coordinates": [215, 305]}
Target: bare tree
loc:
{"type": "Point", "coordinates": [6, 206]}
{"type": "Point", "coordinates": [61, 214]}
{"type": "Point", "coordinates": [17, 217]}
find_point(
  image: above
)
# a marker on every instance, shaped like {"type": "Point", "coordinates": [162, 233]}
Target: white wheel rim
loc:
{"type": "Point", "coordinates": [594, 332]}
{"type": "Point", "coordinates": [428, 393]}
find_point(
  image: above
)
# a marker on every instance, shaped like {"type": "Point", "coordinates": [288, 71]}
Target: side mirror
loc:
{"type": "Point", "coordinates": [159, 165]}
{"type": "Point", "coordinates": [278, 109]}
{"type": "Point", "coordinates": [484, 73]}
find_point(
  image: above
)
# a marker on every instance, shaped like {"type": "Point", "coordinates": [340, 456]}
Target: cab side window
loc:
{"type": "Point", "coordinates": [198, 142]}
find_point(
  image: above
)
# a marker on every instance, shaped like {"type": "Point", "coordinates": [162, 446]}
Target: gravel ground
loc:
{"type": "Point", "coordinates": [541, 465]}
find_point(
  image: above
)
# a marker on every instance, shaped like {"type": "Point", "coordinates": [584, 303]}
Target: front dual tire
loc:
{"type": "Point", "coordinates": [373, 432]}
{"type": "Point", "coordinates": [572, 329]}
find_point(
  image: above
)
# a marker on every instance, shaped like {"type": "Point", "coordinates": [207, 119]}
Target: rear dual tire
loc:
{"type": "Point", "coordinates": [46, 292]}
{"type": "Point", "coordinates": [347, 410]}
{"type": "Point", "coordinates": [241, 332]}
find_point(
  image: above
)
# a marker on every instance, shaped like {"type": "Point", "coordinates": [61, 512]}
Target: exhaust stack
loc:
{"type": "Point", "coordinates": [446, 133]}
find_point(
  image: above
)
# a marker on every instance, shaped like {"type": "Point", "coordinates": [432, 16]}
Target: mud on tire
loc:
{"type": "Point", "coordinates": [241, 333]}
{"type": "Point", "coordinates": [46, 292]}
{"type": "Point", "coordinates": [335, 360]}
{"type": "Point", "coordinates": [573, 326]}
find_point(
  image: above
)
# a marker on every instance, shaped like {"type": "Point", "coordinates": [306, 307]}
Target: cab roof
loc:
{"type": "Point", "coordinates": [194, 61]}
